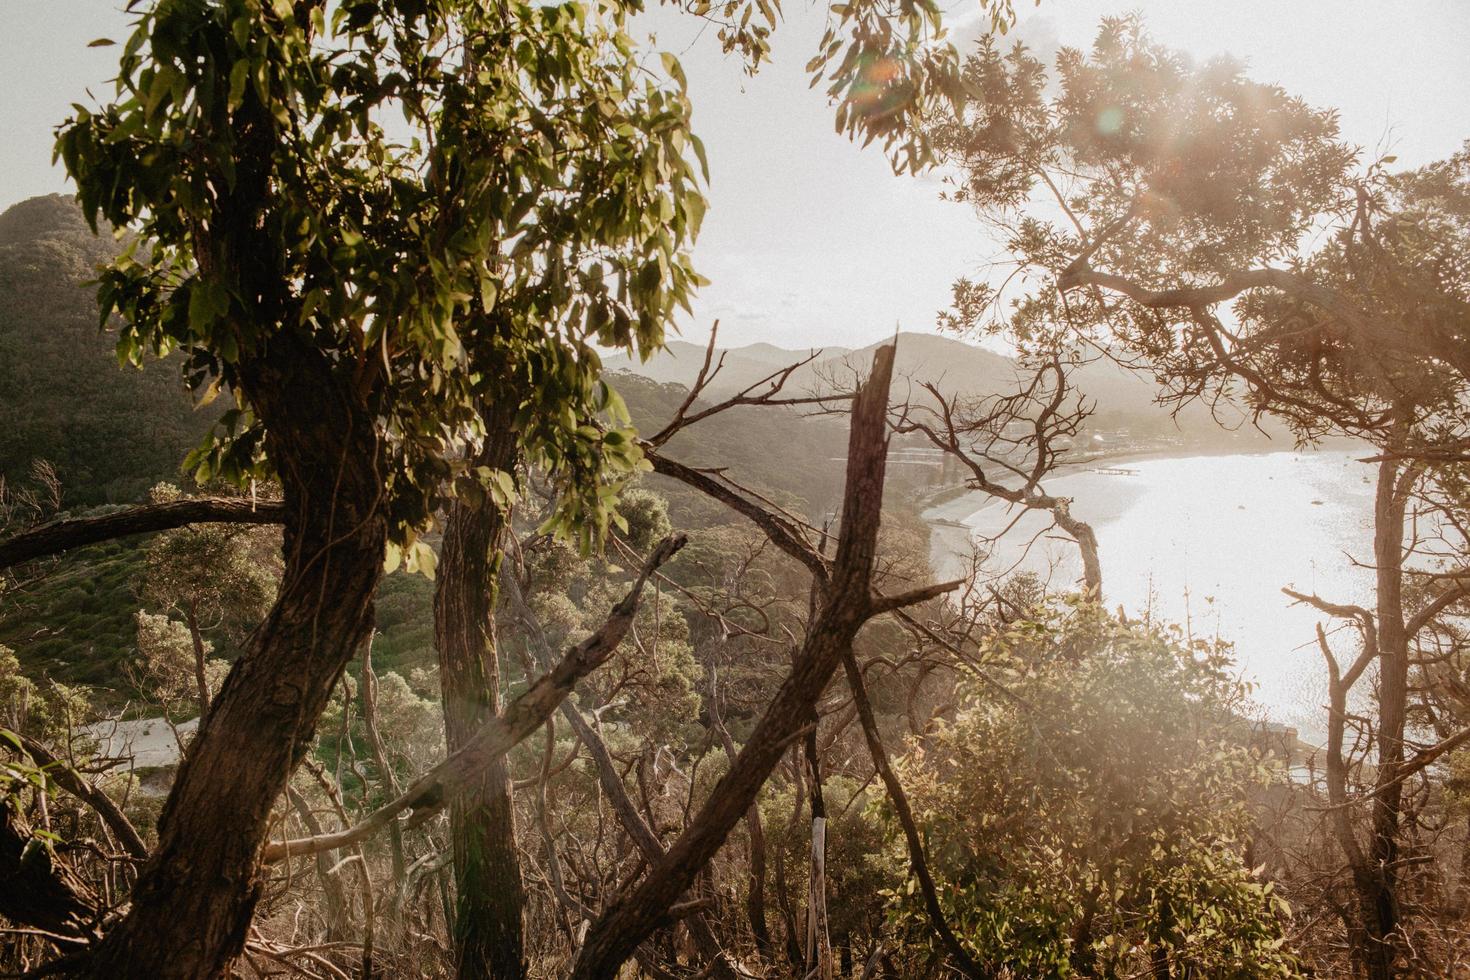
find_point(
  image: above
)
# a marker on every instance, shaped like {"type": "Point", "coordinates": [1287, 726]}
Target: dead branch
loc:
{"type": "Point", "coordinates": [847, 603]}
{"type": "Point", "coordinates": [432, 791]}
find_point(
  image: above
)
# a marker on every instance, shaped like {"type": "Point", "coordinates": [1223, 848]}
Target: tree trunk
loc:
{"type": "Point", "coordinates": [818, 943]}
{"type": "Point", "coordinates": [490, 894]}
{"type": "Point", "coordinates": [848, 603]}
{"type": "Point", "coordinates": [783, 891]}
{"type": "Point", "coordinates": [962, 961]}
{"type": "Point", "coordinates": [201, 680]}
{"type": "Point", "coordinates": [755, 895]}
{"type": "Point", "coordinates": [1381, 900]}
{"type": "Point", "coordinates": [335, 917]}
{"type": "Point", "coordinates": [195, 897]}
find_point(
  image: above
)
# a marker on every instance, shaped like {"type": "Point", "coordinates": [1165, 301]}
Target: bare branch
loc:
{"type": "Point", "coordinates": [432, 791]}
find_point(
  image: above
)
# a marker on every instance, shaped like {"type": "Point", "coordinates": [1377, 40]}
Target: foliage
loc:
{"type": "Point", "coordinates": [1217, 231]}
{"type": "Point", "coordinates": [1094, 816]}
{"type": "Point", "coordinates": [75, 624]}
{"type": "Point", "coordinates": [217, 576]}
{"type": "Point", "coordinates": [544, 200]}
{"type": "Point", "coordinates": [165, 667]}
{"type": "Point", "coordinates": [45, 710]}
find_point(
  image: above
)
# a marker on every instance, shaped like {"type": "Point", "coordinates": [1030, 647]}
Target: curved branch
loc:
{"type": "Point", "coordinates": [965, 963]}
{"type": "Point", "coordinates": [783, 533]}
{"type": "Point", "coordinates": [70, 780]}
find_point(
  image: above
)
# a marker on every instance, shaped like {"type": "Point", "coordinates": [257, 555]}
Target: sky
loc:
{"type": "Point", "coordinates": [811, 241]}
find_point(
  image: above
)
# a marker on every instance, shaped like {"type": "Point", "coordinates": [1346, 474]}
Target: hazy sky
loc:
{"type": "Point", "coordinates": [811, 241]}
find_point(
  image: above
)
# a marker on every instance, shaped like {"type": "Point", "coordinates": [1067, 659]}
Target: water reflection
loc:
{"type": "Point", "coordinates": [1209, 541]}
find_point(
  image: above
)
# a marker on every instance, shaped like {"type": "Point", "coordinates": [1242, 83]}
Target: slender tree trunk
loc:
{"type": "Point", "coordinates": [962, 961]}
{"type": "Point", "coordinates": [192, 907]}
{"type": "Point", "coordinates": [818, 943]}
{"type": "Point", "coordinates": [490, 894]}
{"type": "Point", "coordinates": [1393, 693]}
{"type": "Point", "coordinates": [367, 692]}
{"type": "Point", "coordinates": [201, 680]}
{"type": "Point", "coordinates": [755, 896]}
{"type": "Point", "coordinates": [335, 918]}
{"type": "Point", "coordinates": [783, 892]}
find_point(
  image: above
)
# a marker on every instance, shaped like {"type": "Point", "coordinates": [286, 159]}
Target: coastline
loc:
{"type": "Point", "coordinates": [949, 530]}
{"type": "Point", "coordinates": [949, 514]}
{"type": "Point", "coordinates": [1234, 489]}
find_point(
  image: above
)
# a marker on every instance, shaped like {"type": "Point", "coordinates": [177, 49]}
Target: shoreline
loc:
{"type": "Point", "coordinates": [935, 515]}
{"type": "Point", "coordinates": [953, 524]}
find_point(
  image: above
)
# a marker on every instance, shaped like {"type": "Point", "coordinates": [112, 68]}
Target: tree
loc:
{"type": "Point", "coordinates": [370, 303]}
{"type": "Point", "coordinates": [346, 288]}
{"type": "Point", "coordinates": [217, 577]}
{"type": "Point", "coordinates": [1219, 233]}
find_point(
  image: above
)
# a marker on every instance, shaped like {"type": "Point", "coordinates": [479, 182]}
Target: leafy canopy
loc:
{"type": "Point", "coordinates": [539, 195]}
{"type": "Point", "coordinates": [1216, 230]}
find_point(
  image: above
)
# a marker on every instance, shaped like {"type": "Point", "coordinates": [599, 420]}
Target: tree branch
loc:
{"type": "Point", "coordinates": [432, 791]}
{"type": "Point", "coordinates": [70, 780]}
{"type": "Point", "coordinates": [55, 537]}
{"type": "Point", "coordinates": [846, 604]}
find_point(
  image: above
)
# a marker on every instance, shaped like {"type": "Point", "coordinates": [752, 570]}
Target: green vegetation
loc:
{"type": "Point", "coordinates": [111, 432]}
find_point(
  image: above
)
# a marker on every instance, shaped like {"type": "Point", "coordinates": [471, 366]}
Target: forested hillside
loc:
{"type": "Point", "coordinates": [111, 432]}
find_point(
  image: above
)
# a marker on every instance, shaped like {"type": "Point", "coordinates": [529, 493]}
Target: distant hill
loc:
{"type": "Point", "coordinates": [1123, 399]}
{"type": "Point", "coordinates": [680, 361]}
{"type": "Point", "coordinates": [110, 431]}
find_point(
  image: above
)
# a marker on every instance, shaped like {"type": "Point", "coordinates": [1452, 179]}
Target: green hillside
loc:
{"type": "Point", "coordinates": [111, 432]}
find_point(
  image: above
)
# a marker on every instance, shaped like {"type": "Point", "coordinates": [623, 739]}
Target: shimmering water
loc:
{"type": "Point", "coordinates": [1209, 541]}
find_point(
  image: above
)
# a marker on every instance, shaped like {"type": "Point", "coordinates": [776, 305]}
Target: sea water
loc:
{"type": "Point", "coordinates": [1208, 542]}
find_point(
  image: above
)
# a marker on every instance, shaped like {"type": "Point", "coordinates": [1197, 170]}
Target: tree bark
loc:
{"type": "Point", "coordinates": [192, 907]}
{"type": "Point", "coordinates": [490, 893]}
{"type": "Point", "coordinates": [1381, 899]}
{"type": "Point", "coordinates": [201, 679]}
{"type": "Point", "coordinates": [818, 942]}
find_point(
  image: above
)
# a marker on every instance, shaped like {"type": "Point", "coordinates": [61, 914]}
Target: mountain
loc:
{"type": "Point", "coordinates": [111, 432]}
{"type": "Point", "coordinates": [1123, 399]}
{"type": "Point", "coordinates": [680, 361]}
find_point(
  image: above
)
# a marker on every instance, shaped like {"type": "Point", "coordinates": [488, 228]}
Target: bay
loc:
{"type": "Point", "coordinates": [1206, 542]}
